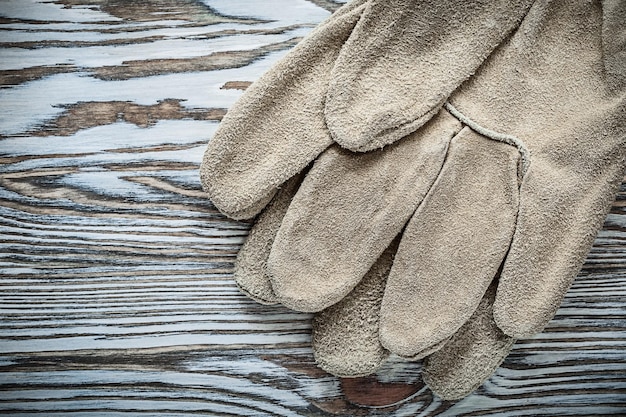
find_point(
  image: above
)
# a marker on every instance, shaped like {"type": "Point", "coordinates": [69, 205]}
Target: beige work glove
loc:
{"type": "Point", "coordinates": [518, 171]}
{"type": "Point", "coordinates": [345, 338]}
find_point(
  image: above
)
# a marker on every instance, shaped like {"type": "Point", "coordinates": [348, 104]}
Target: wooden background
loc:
{"type": "Point", "coordinates": [116, 295]}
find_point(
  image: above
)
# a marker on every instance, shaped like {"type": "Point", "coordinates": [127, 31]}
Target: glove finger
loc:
{"type": "Point", "coordinates": [377, 93]}
{"type": "Point", "coordinates": [277, 127]}
{"type": "Point", "coordinates": [472, 355]}
{"type": "Point", "coordinates": [559, 217]}
{"type": "Point", "coordinates": [348, 210]}
{"type": "Point", "coordinates": [453, 246]}
{"type": "Point", "coordinates": [249, 272]}
{"type": "Point", "coordinates": [345, 335]}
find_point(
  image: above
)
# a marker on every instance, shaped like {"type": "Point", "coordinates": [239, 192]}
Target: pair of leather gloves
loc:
{"type": "Point", "coordinates": [430, 176]}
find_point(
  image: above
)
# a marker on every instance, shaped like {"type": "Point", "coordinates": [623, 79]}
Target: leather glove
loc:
{"type": "Point", "coordinates": [545, 112]}
{"type": "Point", "coordinates": [524, 164]}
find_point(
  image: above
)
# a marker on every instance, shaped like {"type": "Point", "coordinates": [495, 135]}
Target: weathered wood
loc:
{"type": "Point", "coordinates": [116, 295]}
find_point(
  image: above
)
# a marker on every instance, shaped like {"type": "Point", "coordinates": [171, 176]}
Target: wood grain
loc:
{"type": "Point", "coordinates": [116, 295]}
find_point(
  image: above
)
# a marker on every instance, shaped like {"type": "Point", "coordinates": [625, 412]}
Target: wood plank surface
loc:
{"type": "Point", "coordinates": [117, 296]}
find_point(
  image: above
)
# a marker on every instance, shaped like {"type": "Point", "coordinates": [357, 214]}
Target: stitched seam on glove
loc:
{"type": "Point", "coordinates": [493, 135]}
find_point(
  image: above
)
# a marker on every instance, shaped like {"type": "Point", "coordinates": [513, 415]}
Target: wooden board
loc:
{"type": "Point", "coordinates": [116, 295]}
